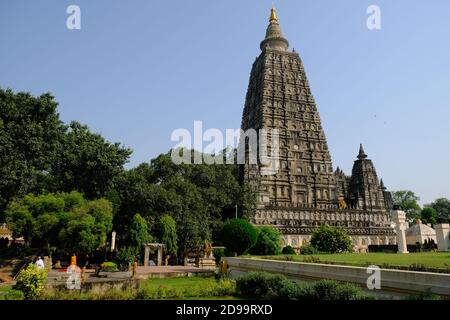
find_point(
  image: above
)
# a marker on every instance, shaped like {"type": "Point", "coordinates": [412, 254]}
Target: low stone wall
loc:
{"type": "Point", "coordinates": [391, 280]}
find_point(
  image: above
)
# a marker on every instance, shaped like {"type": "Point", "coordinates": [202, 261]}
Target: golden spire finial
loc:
{"type": "Point", "coordinates": [273, 15]}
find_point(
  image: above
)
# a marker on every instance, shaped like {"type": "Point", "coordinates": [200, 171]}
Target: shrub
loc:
{"type": "Point", "coordinates": [109, 266]}
{"type": "Point", "coordinates": [125, 257]}
{"type": "Point", "coordinates": [333, 290]}
{"type": "Point", "coordinates": [238, 235]}
{"type": "Point", "coordinates": [31, 281]}
{"type": "Point", "coordinates": [261, 285]}
{"type": "Point", "coordinates": [308, 249]}
{"type": "Point", "coordinates": [331, 239]}
{"type": "Point", "coordinates": [288, 250]}
{"type": "Point", "coordinates": [218, 254]}
{"type": "Point", "coordinates": [268, 242]}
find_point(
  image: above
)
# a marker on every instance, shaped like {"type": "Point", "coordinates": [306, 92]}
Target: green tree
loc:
{"type": "Point", "coordinates": [138, 232]}
{"type": "Point", "coordinates": [87, 162]}
{"type": "Point", "coordinates": [331, 239]}
{"type": "Point", "coordinates": [87, 227]}
{"type": "Point", "coordinates": [429, 215]}
{"type": "Point", "coordinates": [199, 197]}
{"type": "Point", "coordinates": [30, 135]}
{"type": "Point", "coordinates": [268, 242]}
{"type": "Point", "coordinates": [238, 235]}
{"type": "Point", "coordinates": [65, 220]}
{"type": "Point", "coordinates": [442, 207]}
{"type": "Point", "coordinates": [288, 250]}
{"type": "Point", "coordinates": [408, 202]}
{"type": "Point", "coordinates": [167, 232]}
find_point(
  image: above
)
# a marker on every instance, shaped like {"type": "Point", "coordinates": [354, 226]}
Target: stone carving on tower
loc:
{"type": "Point", "coordinates": [305, 192]}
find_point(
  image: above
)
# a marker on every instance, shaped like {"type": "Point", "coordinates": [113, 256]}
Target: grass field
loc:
{"type": "Point", "coordinates": [186, 287]}
{"type": "Point", "coordinates": [420, 260]}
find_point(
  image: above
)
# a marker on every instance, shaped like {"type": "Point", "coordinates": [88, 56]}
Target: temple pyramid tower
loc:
{"type": "Point", "coordinates": [305, 191]}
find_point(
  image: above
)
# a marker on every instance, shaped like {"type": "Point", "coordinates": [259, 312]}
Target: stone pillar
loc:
{"type": "Point", "coordinates": [443, 236]}
{"type": "Point", "coordinates": [146, 255]}
{"type": "Point", "coordinates": [159, 258]}
{"type": "Point", "coordinates": [113, 240]}
{"type": "Point", "coordinates": [399, 218]}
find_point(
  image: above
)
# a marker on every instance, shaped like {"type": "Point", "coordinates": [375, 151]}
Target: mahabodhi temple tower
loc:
{"type": "Point", "coordinates": [304, 192]}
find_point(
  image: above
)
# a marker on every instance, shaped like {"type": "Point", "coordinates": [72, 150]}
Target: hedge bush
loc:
{"type": "Point", "coordinates": [109, 266]}
{"type": "Point", "coordinates": [262, 285]}
{"type": "Point", "coordinates": [308, 250]}
{"type": "Point", "coordinates": [267, 243]}
{"type": "Point", "coordinates": [331, 239]}
{"type": "Point", "coordinates": [238, 235]}
{"type": "Point", "coordinates": [288, 250]}
{"type": "Point", "coordinates": [218, 254]}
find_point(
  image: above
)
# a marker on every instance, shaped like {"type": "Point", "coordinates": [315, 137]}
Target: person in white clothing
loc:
{"type": "Point", "coordinates": [40, 263]}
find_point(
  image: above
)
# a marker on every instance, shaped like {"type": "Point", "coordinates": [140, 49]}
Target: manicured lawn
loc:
{"type": "Point", "coordinates": [186, 287]}
{"type": "Point", "coordinates": [166, 288]}
{"type": "Point", "coordinates": [437, 260]}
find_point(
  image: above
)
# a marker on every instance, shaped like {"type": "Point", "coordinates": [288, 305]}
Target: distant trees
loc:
{"type": "Point", "coordinates": [429, 215]}
{"type": "Point", "coordinates": [408, 201]}
{"type": "Point", "coordinates": [65, 220]}
{"type": "Point", "coordinates": [442, 207]}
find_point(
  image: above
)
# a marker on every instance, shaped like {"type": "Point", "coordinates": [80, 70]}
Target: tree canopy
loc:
{"type": "Point", "coordinates": [442, 207]}
{"type": "Point", "coordinates": [40, 154]}
{"type": "Point", "coordinates": [408, 201]}
{"type": "Point", "coordinates": [198, 197]}
{"type": "Point", "coordinates": [65, 220]}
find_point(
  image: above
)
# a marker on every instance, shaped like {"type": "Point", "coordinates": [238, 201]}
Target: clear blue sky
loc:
{"type": "Point", "coordinates": [139, 69]}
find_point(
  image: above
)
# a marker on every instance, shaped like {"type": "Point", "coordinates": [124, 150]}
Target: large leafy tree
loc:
{"type": "Point", "coordinates": [39, 154]}
{"type": "Point", "coordinates": [408, 201]}
{"type": "Point", "coordinates": [30, 136]}
{"type": "Point", "coordinates": [87, 162]}
{"type": "Point", "coordinates": [442, 207]}
{"type": "Point", "coordinates": [65, 220]}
